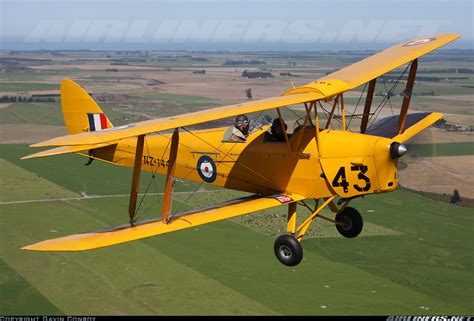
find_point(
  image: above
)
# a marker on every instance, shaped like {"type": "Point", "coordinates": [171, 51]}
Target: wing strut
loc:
{"type": "Point", "coordinates": [331, 114]}
{"type": "Point", "coordinates": [169, 184]}
{"type": "Point", "coordinates": [282, 124]}
{"type": "Point", "coordinates": [343, 115]}
{"type": "Point", "coordinates": [136, 179]}
{"type": "Point", "coordinates": [291, 220]}
{"type": "Point", "coordinates": [368, 105]}
{"type": "Point", "coordinates": [303, 127]}
{"type": "Point", "coordinates": [407, 96]}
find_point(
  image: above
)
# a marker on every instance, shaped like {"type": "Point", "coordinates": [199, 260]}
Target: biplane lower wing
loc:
{"type": "Point", "coordinates": [415, 123]}
{"type": "Point", "coordinates": [126, 233]}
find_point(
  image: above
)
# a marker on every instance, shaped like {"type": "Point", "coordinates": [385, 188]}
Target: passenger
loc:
{"type": "Point", "coordinates": [277, 132]}
{"type": "Point", "coordinates": [240, 132]}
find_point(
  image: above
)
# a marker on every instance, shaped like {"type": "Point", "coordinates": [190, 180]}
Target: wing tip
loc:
{"type": "Point", "coordinates": [41, 144]}
{"type": "Point", "coordinates": [33, 247]}
{"type": "Point", "coordinates": [53, 246]}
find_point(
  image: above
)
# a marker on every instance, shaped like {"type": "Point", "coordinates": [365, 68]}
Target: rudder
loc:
{"type": "Point", "coordinates": [81, 113]}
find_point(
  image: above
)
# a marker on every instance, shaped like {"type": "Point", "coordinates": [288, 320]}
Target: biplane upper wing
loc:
{"type": "Point", "coordinates": [161, 124]}
{"type": "Point", "coordinates": [324, 88]}
{"type": "Point", "coordinates": [379, 64]}
{"type": "Point", "coordinates": [126, 233]}
{"type": "Point", "coordinates": [376, 65]}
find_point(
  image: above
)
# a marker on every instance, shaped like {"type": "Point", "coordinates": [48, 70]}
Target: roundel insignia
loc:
{"type": "Point", "coordinates": [418, 42]}
{"type": "Point", "coordinates": [207, 169]}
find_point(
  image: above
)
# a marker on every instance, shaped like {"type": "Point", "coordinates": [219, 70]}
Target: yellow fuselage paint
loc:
{"type": "Point", "coordinates": [346, 164]}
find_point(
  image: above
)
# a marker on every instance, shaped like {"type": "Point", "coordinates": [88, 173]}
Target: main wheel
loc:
{"type": "Point", "coordinates": [350, 222]}
{"type": "Point", "coordinates": [288, 250]}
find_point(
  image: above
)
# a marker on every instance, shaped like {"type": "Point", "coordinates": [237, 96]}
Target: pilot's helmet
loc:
{"type": "Point", "coordinates": [242, 123]}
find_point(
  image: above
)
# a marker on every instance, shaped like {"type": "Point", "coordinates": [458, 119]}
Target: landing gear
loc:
{"type": "Point", "coordinates": [288, 250]}
{"type": "Point", "coordinates": [349, 222]}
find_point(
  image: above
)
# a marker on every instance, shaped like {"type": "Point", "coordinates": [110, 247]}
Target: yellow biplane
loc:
{"type": "Point", "coordinates": [315, 162]}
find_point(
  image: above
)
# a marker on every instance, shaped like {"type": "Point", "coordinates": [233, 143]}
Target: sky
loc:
{"type": "Point", "coordinates": [229, 25]}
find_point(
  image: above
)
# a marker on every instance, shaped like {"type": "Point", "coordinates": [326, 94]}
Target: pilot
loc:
{"type": "Point", "coordinates": [277, 132]}
{"type": "Point", "coordinates": [240, 132]}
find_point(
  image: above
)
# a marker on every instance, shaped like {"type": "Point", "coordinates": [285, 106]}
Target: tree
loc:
{"type": "Point", "coordinates": [248, 92]}
{"type": "Point", "coordinates": [456, 198]}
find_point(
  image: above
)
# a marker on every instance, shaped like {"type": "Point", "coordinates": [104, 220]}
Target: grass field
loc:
{"type": "Point", "coordinates": [22, 86]}
{"type": "Point", "coordinates": [441, 149]}
{"type": "Point", "coordinates": [438, 89]}
{"type": "Point", "coordinates": [32, 113]}
{"type": "Point", "coordinates": [413, 266]}
{"type": "Point", "coordinates": [414, 256]}
{"type": "Point", "coordinates": [50, 114]}
{"type": "Point", "coordinates": [167, 97]}
{"type": "Point", "coordinates": [416, 101]}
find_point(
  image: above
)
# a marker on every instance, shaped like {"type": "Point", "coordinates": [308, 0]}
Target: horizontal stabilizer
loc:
{"type": "Point", "coordinates": [125, 233]}
{"type": "Point", "coordinates": [65, 150]}
{"type": "Point", "coordinates": [415, 123]}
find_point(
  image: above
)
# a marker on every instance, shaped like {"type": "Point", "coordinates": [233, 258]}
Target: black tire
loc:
{"type": "Point", "coordinates": [352, 222]}
{"type": "Point", "coordinates": [288, 250]}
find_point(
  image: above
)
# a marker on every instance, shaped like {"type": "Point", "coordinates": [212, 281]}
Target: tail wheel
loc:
{"type": "Point", "coordinates": [350, 222]}
{"type": "Point", "coordinates": [288, 250]}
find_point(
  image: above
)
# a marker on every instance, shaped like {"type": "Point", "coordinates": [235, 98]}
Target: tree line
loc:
{"type": "Point", "coordinates": [31, 99]}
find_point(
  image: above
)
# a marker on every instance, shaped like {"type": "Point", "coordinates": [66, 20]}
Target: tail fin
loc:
{"type": "Point", "coordinates": [81, 113]}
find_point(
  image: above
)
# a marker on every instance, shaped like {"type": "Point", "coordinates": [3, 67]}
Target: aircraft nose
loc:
{"type": "Point", "coordinates": [397, 150]}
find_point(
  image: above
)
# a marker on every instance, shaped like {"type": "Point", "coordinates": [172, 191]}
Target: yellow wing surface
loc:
{"type": "Point", "coordinates": [417, 127]}
{"type": "Point", "coordinates": [64, 150]}
{"type": "Point", "coordinates": [324, 88]}
{"type": "Point", "coordinates": [126, 233]}
{"type": "Point", "coordinates": [379, 64]}
{"type": "Point", "coordinates": [161, 124]}
{"type": "Point", "coordinates": [415, 123]}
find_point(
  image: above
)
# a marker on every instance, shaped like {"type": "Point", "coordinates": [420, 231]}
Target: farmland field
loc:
{"type": "Point", "coordinates": [414, 256]}
{"type": "Point", "coordinates": [22, 86]}
{"type": "Point", "coordinates": [442, 149]}
{"type": "Point", "coordinates": [407, 267]}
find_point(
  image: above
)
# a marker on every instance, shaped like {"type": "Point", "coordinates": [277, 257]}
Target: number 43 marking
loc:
{"type": "Point", "coordinates": [340, 179]}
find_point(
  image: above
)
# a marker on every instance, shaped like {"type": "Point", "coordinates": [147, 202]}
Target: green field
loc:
{"type": "Point", "coordinates": [414, 256]}
{"type": "Point", "coordinates": [32, 113]}
{"type": "Point", "coordinates": [165, 104]}
{"type": "Point", "coordinates": [441, 149]}
{"type": "Point", "coordinates": [419, 261]}
{"type": "Point", "coordinates": [420, 89]}
{"type": "Point", "coordinates": [23, 86]}
{"type": "Point", "coordinates": [167, 97]}
{"type": "Point", "coordinates": [397, 102]}
{"type": "Point", "coordinates": [20, 76]}
{"type": "Point", "coordinates": [50, 114]}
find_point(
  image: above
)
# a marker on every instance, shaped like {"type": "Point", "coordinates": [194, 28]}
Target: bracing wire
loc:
{"type": "Point", "coordinates": [384, 100]}
{"type": "Point", "coordinates": [388, 94]}
{"type": "Point", "coordinates": [152, 179]}
{"type": "Point", "coordinates": [357, 105]}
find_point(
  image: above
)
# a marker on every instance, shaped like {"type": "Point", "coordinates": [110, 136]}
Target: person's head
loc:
{"type": "Point", "coordinates": [276, 127]}
{"type": "Point", "coordinates": [242, 123]}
